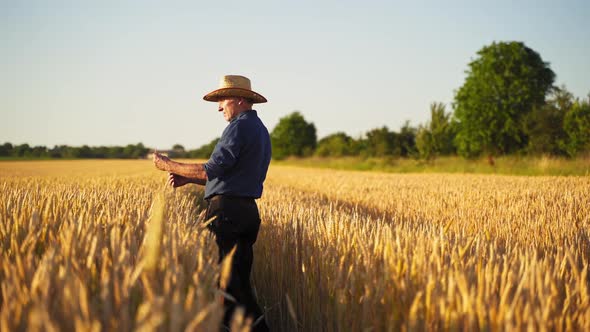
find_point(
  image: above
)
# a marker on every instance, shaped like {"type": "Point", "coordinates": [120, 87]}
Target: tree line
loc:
{"type": "Point", "coordinates": [561, 127]}
{"type": "Point", "coordinates": [508, 104]}
{"type": "Point", "coordinates": [130, 151]}
{"type": "Point", "coordinates": [25, 151]}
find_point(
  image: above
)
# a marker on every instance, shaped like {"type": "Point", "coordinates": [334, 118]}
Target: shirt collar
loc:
{"type": "Point", "coordinates": [243, 115]}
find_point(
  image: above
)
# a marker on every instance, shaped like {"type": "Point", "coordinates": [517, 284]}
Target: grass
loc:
{"type": "Point", "coordinates": [513, 165]}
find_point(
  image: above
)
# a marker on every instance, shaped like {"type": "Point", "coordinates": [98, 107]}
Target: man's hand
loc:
{"type": "Point", "coordinates": [176, 180]}
{"type": "Point", "coordinates": [181, 173]}
{"type": "Point", "coordinates": [161, 162]}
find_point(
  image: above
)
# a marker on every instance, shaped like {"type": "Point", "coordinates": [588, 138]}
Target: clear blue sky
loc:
{"type": "Point", "coordinates": [120, 72]}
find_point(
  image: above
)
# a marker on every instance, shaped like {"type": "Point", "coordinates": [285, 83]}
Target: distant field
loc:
{"type": "Point", "coordinates": [510, 165]}
{"type": "Point", "coordinates": [95, 245]}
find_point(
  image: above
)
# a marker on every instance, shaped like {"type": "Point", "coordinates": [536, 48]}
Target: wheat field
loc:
{"type": "Point", "coordinates": [106, 246]}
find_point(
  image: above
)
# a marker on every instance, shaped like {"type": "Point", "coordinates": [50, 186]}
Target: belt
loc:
{"type": "Point", "coordinates": [217, 198]}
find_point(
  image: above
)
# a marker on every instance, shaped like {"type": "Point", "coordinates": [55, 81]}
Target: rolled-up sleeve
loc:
{"type": "Point", "coordinates": [225, 154]}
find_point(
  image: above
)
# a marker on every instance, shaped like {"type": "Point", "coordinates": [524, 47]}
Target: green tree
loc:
{"type": "Point", "coordinates": [334, 145]}
{"type": "Point", "coordinates": [84, 152]}
{"type": "Point", "coordinates": [436, 137]}
{"type": "Point", "coordinates": [22, 150]}
{"type": "Point", "coordinates": [55, 152]}
{"type": "Point", "coordinates": [381, 142]}
{"type": "Point", "coordinates": [577, 127]}
{"type": "Point", "coordinates": [293, 136]}
{"type": "Point", "coordinates": [139, 151]}
{"type": "Point", "coordinates": [544, 125]}
{"type": "Point", "coordinates": [425, 143]}
{"type": "Point", "coordinates": [358, 146]}
{"type": "Point", "coordinates": [177, 151]}
{"type": "Point", "coordinates": [70, 152]}
{"type": "Point", "coordinates": [503, 84]}
{"type": "Point", "coordinates": [6, 149]}
{"type": "Point", "coordinates": [116, 152]}
{"type": "Point", "coordinates": [407, 140]}
{"type": "Point", "coordinates": [100, 152]}
{"type": "Point", "coordinates": [204, 151]}
{"type": "Point", "coordinates": [39, 151]}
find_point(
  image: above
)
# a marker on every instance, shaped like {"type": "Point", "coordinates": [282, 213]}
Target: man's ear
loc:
{"type": "Point", "coordinates": [243, 100]}
{"type": "Point", "coordinates": [246, 101]}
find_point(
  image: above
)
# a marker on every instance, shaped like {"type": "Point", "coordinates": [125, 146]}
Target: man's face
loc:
{"type": "Point", "coordinates": [229, 107]}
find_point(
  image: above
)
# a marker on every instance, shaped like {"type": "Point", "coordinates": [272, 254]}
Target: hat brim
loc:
{"type": "Point", "coordinates": [218, 94]}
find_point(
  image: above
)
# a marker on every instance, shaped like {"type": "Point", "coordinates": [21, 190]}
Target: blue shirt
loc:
{"type": "Point", "coordinates": [239, 162]}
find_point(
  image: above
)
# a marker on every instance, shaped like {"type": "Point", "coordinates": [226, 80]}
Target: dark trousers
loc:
{"type": "Point", "coordinates": [236, 225]}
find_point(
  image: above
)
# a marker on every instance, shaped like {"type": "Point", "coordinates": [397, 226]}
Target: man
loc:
{"type": "Point", "coordinates": [233, 178]}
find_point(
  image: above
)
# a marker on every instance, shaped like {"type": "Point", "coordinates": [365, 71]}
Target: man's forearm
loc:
{"type": "Point", "coordinates": [198, 181]}
{"type": "Point", "coordinates": [195, 172]}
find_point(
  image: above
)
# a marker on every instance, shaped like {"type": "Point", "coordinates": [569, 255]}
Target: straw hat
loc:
{"type": "Point", "coordinates": [235, 86]}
